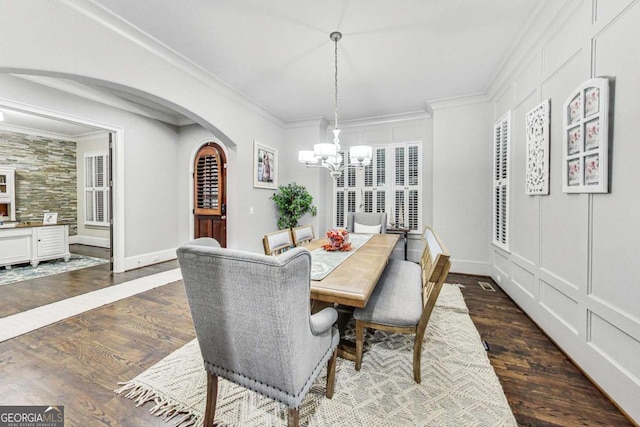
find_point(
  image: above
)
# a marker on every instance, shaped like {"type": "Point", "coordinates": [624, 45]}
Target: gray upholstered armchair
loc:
{"type": "Point", "coordinates": [367, 221]}
{"type": "Point", "coordinates": [252, 318]}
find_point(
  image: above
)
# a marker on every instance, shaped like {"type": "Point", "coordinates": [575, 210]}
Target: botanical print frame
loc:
{"type": "Point", "coordinates": [585, 138]}
{"type": "Point", "coordinates": [265, 166]}
{"type": "Point", "coordinates": [537, 137]}
{"type": "Point", "coordinates": [50, 218]}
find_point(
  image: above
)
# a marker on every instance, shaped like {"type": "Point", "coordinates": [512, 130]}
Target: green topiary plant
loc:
{"type": "Point", "coordinates": [293, 201]}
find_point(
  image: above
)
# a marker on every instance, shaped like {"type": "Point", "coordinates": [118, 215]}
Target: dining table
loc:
{"type": "Point", "coordinates": [351, 283]}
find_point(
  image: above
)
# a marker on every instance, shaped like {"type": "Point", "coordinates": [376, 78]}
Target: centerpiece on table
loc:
{"type": "Point", "coordinates": [338, 240]}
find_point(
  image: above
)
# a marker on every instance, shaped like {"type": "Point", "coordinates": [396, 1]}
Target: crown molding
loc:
{"type": "Point", "coordinates": [118, 25]}
{"type": "Point", "coordinates": [90, 136]}
{"type": "Point", "coordinates": [440, 104]}
{"type": "Point", "coordinates": [314, 121]}
{"type": "Point", "coordinates": [36, 132]}
{"type": "Point", "coordinates": [386, 119]}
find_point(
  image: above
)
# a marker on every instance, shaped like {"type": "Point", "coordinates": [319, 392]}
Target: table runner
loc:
{"type": "Point", "coordinates": [324, 262]}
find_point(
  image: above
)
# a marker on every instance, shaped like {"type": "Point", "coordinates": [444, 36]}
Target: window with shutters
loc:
{"type": "Point", "coordinates": [501, 142]}
{"type": "Point", "coordinates": [391, 183]}
{"type": "Point", "coordinates": [208, 170]}
{"type": "Point", "coordinates": [96, 189]}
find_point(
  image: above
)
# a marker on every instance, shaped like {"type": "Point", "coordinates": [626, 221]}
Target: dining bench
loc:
{"type": "Point", "coordinates": [404, 297]}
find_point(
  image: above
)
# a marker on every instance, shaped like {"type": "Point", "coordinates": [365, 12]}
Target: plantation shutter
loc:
{"type": "Point", "coordinates": [96, 189]}
{"type": "Point", "coordinates": [391, 183]}
{"type": "Point", "coordinates": [208, 170]}
{"type": "Point", "coordinates": [501, 141]}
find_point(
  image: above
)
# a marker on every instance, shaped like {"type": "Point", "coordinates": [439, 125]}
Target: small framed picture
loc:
{"type": "Point", "coordinates": [573, 112]}
{"type": "Point", "coordinates": [575, 141]}
{"type": "Point", "coordinates": [573, 171]}
{"type": "Point", "coordinates": [591, 101]}
{"type": "Point", "coordinates": [50, 218]}
{"type": "Point", "coordinates": [265, 166]}
{"type": "Point", "coordinates": [592, 170]}
{"type": "Point", "coordinates": [592, 135]}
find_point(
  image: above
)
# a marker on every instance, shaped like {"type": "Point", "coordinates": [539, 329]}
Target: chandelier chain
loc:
{"type": "Point", "coordinates": [327, 155]}
{"type": "Point", "coordinates": [335, 105]}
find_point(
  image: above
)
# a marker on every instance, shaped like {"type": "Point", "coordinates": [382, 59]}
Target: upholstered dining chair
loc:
{"type": "Point", "coordinates": [404, 297]}
{"type": "Point", "coordinates": [367, 222]}
{"type": "Point", "coordinates": [252, 319]}
{"type": "Point", "coordinates": [302, 234]}
{"type": "Point", "coordinates": [277, 242]}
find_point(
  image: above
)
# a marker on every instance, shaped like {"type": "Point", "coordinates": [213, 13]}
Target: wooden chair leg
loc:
{"type": "Point", "coordinates": [417, 356]}
{"type": "Point", "coordinates": [293, 420]}
{"type": "Point", "coordinates": [212, 397]}
{"type": "Point", "coordinates": [331, 374]}
{"type": "Point", "coordinates": [359, 343]}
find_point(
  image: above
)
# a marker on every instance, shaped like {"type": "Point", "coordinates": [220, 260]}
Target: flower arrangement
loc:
{"type": "Point", "coordinates": [338, 240]}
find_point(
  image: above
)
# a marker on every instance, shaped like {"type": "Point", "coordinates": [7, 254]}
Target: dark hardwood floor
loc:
{"type": "Point", "coordinates": [79, 361]}
{"type": "Point", "coordinates": [543, 387]}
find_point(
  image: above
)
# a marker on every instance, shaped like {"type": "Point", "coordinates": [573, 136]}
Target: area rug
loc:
{"type": "Point", "coordinates": [46, 268]}
{"type": "Point", "coordinates": [459, 386]}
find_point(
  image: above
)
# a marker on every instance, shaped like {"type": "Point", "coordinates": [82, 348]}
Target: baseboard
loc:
{"type": "Point", "coordinates": [144, 260]}
{"type": "Point", "coordinates": [90, 241]}
{"type": "Point", "coordinates": [470, 267]}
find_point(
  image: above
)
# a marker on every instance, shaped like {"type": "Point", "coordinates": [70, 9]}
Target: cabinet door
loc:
{"type": "Point", "coordinates": [15, 246]}
{"type": "Point", "coordinates": [50, 241]}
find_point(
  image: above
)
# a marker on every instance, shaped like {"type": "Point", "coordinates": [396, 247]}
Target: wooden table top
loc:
{"type": "Point", "coordinates": [353, 281]}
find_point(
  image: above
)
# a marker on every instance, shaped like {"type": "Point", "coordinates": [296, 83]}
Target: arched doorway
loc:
{"type": "Point", "coordinates": [209, 193]}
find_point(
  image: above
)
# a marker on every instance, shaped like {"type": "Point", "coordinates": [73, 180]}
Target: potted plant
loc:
{"type": "Point", "coordinates": [292, 201]}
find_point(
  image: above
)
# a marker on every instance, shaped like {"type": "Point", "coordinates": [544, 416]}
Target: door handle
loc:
{"type": "Point", "coordinates": [223, 217]}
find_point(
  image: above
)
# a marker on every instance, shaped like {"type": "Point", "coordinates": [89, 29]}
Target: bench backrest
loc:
{"type": "Point", "coordinates": [435, 265]}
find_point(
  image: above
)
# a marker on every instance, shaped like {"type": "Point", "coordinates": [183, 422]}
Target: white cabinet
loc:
{"type": "Point", "coordinates": [8, 192]}
{"type": "Point", "coordinates": [33, 244]}
{"type": "Point", "coordinates": [15, 246]}
{"type": "Point", "coordinates": [50, 242]}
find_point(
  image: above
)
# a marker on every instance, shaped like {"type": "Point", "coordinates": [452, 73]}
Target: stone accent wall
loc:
{"type": "Point", "coordinates": [46, 178]}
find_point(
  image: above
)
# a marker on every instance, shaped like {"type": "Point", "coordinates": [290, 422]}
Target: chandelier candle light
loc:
{"type": "Point", "coordinates": [327, 155]}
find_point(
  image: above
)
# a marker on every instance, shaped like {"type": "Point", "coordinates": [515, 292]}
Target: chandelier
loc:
{"type": "Point", "coordinates": [327, 155]}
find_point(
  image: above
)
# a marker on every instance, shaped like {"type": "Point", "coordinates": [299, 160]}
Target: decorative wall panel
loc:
{"type": "Point", "coordinates": [537, 132]}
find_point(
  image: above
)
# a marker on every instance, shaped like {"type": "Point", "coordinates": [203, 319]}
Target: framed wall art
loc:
{"type": "Point", "coordinates": [585, 138]}
{"type": "Point", "coordinates": [537, 137]}
{"type": "Point", "coordinates": [50, 218]}
{"type": "Point", "coordinates": [265, 166]}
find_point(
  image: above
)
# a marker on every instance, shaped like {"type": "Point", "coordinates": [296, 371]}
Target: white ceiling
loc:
{"type": "Point", "coordinates": [394, 56]}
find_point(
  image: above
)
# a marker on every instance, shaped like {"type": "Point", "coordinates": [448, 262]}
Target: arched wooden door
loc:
{"type": "Point", "coordinates": [209, 195]}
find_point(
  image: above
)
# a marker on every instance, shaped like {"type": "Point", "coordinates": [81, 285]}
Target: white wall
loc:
{"type": "Point", "coordinates": [573, 258]}
{"type": "Point", "coordinates": [302, 136]}
{"type": "Point", "coordinates": [462, 182]}
{"type": "Point", "coordinates": [89, 235]}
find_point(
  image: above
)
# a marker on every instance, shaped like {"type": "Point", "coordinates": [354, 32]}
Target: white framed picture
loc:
{"type": "Point", "coordinates": [585, 132]}
{"type": "Point", "coordinates": [50, 218]}
{"type": "Point", "coordinates": [265, 166]}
